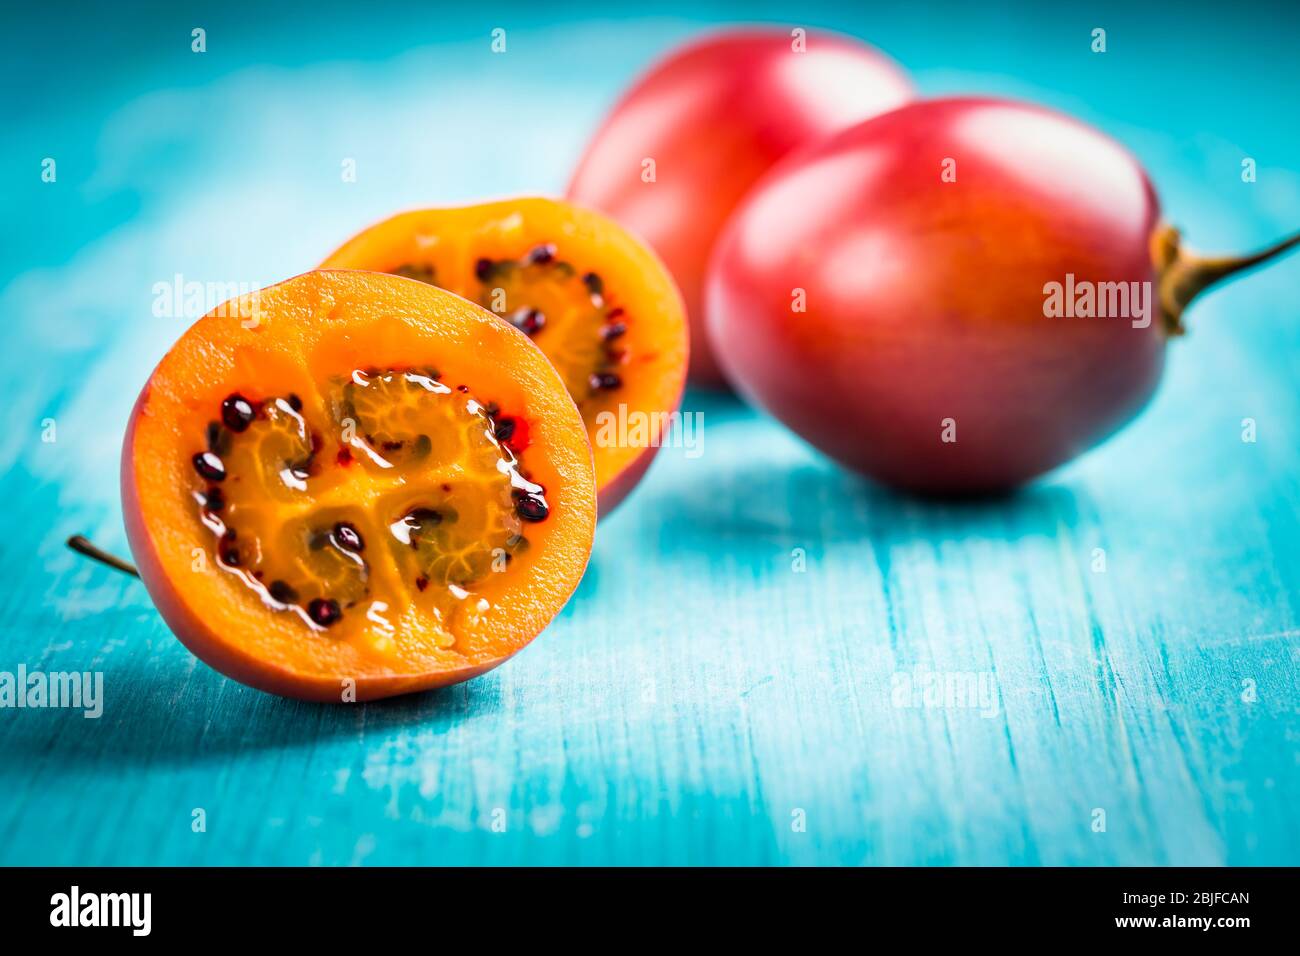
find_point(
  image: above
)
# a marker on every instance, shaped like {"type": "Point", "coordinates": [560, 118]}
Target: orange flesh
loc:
{"type": "Point", "coordinates": [330, 494]}
{"type": "Point", "coordinates": [595, 300]}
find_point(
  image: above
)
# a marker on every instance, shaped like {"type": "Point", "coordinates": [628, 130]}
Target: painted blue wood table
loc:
{"type": "Point", "coordinates": [745, 675]}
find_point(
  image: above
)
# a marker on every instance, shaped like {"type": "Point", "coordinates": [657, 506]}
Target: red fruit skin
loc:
{"type": "Point", "coordinates": [714, 116]}
{"type": "Point", "coordinates": [925, 299]}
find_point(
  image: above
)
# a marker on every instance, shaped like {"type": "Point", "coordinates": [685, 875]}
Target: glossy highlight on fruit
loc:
{"type": "Point", "coordinates": [685, 143]}
{"type": "Point", "coordinates": [595, 300]}
{"type": "Point", "coordinates": [318, 501]}
{"type": "Point", "coordinates": [895, 294]}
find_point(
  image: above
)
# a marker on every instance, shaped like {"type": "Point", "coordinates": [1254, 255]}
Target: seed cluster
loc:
{"type": "Point", "coordinates": [237, 415]}
{"type": "Point", "coordinates": [341, 543]}
{"type": "Point", "coordinates": [612, 324]}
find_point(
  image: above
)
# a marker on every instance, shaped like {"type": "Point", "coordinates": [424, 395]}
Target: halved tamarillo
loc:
{"type": "Point", "coordinates": [596, 301]}
{"type": "Point", "coordinates": [319, 497]}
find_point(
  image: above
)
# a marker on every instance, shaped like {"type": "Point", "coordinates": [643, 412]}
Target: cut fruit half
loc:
{"type": "Point", "coordinates": [326, 497]}
{"type": "Point", "coordinates": [596, 301]}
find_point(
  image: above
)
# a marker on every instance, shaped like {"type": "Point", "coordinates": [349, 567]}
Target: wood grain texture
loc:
{"type": "Point", "coordinates": [701, 700]}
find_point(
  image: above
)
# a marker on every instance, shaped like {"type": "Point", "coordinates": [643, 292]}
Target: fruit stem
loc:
{"type": "Point", "coordinates": [83, 545]}
{"type": "Point", "coordinates": [1183, 275]}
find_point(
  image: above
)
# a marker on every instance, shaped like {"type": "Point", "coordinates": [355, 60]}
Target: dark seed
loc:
{"type": "Point", "coordinates": [530, 508]}
{"type": "Point", "coordinates": [421, 273]}
{"type": "Point", "coordinates": [604, 381]}
{"type": "Point", "coordinates": [423, 445]}
{"type": "Point", "coordinates": [209, 466]}
{"type": "Point", "coordinates": [283, 593]}
{"type": "Point", "coordinates": [484, 268]}
{"type": "Point", "coordinates": [614, 313]}
{"type": "Point", "coordinates": [493, 409]}
{"type": "Point", "coordinates": [463, 389]}
{"type": "Point", "coordinates": [595, 285]}
{"type": "Point", "coordinates": [505, 429]}
{"type": "Point", "coordinates": [237, 412]}
{"type": "Point", "coordinates": [295, 402]}
{"type": "Point", "coordinates": [344, 457]}
{"type": "Point", "coordinates": [392, 445]}
{"type": "Point", "coordinates": [529, 321]}
{"type": "Point", "coordinates": [214, 500]}
{"type": "Point", "coordinates": [422, 582]}
{"type": "Point", "coordinates": [324, 611]}
{"type": "Point", "coordinates": [541, 255]}
{"type": "Point", "coordinates": [611, 332]}
{"type": "Point", "coordinates": [347, 537]}
{"type": "Point", "coordinates": [424, 518]}
{"type": "Point", "coordinates": [229, 555]}
{"type": "Point", "coordinates": [216, 438]}
{"type": "Point", "coordinates": [318, 540]}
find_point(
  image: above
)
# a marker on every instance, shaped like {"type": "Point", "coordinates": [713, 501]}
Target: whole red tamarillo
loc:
{"type": "Point", "coordinates": [685, 143]}
{"type": "Point", "coordinates": [954, 297]}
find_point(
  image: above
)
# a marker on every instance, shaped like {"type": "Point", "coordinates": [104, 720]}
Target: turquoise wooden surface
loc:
{"type": "Point", "coordinates": [724, 686]}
